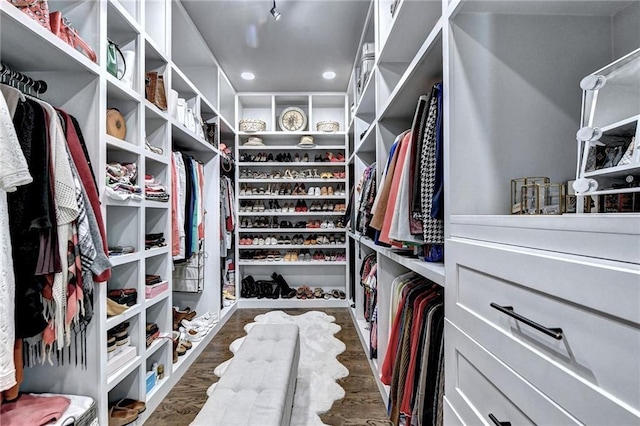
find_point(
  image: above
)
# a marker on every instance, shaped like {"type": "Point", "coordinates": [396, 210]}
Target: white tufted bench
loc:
{"type": "Point", "coordinates": [257, 387]}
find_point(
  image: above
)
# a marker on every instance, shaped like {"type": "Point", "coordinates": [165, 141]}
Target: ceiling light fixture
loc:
{"type": "Point", "coordinates": [274, 12]}
{"type": "Point", "coordinates": [247, 75]}
{"type": "Point", "coordinates": [328, 75]}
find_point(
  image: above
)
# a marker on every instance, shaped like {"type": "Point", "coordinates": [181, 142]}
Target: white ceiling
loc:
{"type": "Point", "coordinates": [290, 54]}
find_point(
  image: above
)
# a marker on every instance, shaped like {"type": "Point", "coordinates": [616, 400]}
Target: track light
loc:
{"type": "Point", "coordinates": [274, 12]}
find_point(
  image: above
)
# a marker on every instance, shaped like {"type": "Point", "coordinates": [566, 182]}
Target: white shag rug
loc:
{"type": "Point", "coordinates": [318, 368]}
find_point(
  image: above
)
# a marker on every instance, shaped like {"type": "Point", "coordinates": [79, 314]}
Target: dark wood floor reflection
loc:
{"type": "Point", "coordinates": [362, 404]}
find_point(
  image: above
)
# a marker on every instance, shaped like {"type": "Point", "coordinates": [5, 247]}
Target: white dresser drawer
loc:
{"type": "Point", "coordinates": [450, 416]}
{"type": "Point", "coordinates": [479, 386]}
{"type": "Point", "coordinates": [593, 371]}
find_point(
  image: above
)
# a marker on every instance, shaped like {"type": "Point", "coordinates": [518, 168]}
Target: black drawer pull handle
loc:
{"type": "Point", "coordinates": [556, 333]}
{"type": "Point", "coordinates": [498, 422]}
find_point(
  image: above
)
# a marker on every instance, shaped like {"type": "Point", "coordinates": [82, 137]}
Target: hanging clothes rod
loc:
{"type": "Point", "coordinates": [21, 81]}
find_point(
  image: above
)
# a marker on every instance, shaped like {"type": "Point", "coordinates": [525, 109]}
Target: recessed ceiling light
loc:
{"type": "Point", "coordinates": [247, 75]}
{"type": "Point", "coordinates": [329, 75]}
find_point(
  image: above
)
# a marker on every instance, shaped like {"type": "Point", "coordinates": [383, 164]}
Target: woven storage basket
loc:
{"type": "Point", "coordinates": [327, 126]}
{"type": "Point", "coordinates": [252, 125]}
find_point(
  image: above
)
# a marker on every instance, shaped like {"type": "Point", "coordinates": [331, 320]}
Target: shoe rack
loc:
{"type": "Point", "coordinates": [291, 198]}
{"type": "Point", "coordinates": [163, 39]}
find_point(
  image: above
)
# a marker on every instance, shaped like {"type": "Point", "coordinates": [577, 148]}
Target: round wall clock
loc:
{"type": "Point", "coordinates": [293, 119]}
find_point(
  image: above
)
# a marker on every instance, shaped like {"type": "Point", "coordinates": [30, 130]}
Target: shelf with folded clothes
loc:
{"type": "Point", "coordinates": [155, 189]}
{"type": "Point", "coordinates": [121, 179]}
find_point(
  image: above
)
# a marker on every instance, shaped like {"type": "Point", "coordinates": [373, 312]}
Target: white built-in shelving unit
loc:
{"type": "Point", "coordinates": [408, 61]}
{"type": "Point", "coordinates": [512, 105]}
{"type": "Point", "coordinates": [165, 40]}
{"type": "Point", "coordinates": [329, 275]}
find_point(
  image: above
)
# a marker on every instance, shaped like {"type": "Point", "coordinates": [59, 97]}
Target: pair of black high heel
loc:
{"type": "Point", "coordinates": [270, 289]}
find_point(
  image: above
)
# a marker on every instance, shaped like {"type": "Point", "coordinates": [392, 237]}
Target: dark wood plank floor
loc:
{"type": "Point", "coordinates": [362, 404]}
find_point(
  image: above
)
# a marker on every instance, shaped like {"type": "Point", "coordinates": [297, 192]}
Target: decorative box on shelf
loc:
{"type": "Point", "coordinates": [153, 290]}
{"type": "Point", "coordinates": [123, 356]}
{"type": "Point", "coordinates": [151, 380]}
{"type": "Point", "coordinates": [545, 198]}
{"type": "Point", "coordinates": [252, 125]}
{"type": "Point", "coordinates": [517, 186]}
{"type": "Point", "coordinates": [327, 126]}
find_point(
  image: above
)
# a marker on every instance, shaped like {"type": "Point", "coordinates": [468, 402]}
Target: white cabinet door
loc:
{"type": "Point", "coordinates": [483, 390]}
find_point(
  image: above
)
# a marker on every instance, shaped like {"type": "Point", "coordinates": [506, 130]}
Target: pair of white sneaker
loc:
{"type": "Point", "coordinates": [198, 327]}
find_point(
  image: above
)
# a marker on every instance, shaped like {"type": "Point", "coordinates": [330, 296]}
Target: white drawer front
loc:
{"type": "Point", "coordinates": [450, 416]}
{"type": "Point", "coordinates": [479, 385]}
{"type": "Point", "coordinates": [594, 370]}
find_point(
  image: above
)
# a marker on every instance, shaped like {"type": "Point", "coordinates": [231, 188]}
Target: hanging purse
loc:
{"type": "Point", "coordinates": [116, 63]}
{"type": "Point", "coordinates": [116, 124]}
{"type": "Point", "coordinates": [154, 90]}
{"type": "Point", "coordinates": [63, 29]}
{"type": "Point", "coordinates": [38, 10]}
